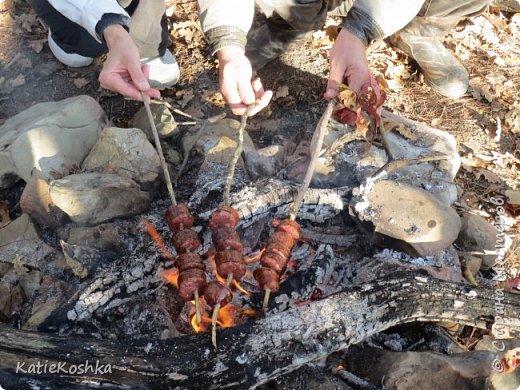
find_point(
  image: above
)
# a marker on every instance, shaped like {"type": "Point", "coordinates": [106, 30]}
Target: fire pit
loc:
{"type": "Point", "coordinates": [118, 306]}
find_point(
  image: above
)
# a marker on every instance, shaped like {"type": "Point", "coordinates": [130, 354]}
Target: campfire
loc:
{"type": "Point", "coordinates": [257, 276]}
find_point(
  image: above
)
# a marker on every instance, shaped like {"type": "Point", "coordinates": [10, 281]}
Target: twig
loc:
{"type": "Point", "coordinates": [317, 142]}
{"type": "Point", "coordinates": [146, 101]}
{"type": "Point", "coordinates": [236, 155]}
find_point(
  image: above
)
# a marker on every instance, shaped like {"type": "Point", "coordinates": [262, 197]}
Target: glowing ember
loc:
{"type": "Point", "coordinates": [156, 237]}
{"type": "Point", "coordinates": [171, 275]}
{"type": "Point", "coordinates": [291, 263]}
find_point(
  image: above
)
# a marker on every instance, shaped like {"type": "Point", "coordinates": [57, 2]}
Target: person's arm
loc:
{"type": "Point", "coordinates": [225, 24]}
{"type": "Point", "coordinates": [366, 22]}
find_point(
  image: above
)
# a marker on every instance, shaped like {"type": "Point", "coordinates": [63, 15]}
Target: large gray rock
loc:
{"type": "Point", "coordinates": [47, 137]}
{"type": "Point", "coordinates": [163, 120]}
{"type": "Point", "coordinates": [93, 198]}
{"type": "Point", "coordinates": [19, 239]}
{"type": "Point", "coordinates": [124, 152]}
{"type": "Point", "coordinates": [406, 218]}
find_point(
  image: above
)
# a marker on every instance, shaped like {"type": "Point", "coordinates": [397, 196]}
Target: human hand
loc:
{"type": "Point", "coordinates": [122, 71]}
{"type": "Point", "coordinates": [348, 62]}
{"type": "Point", "coordinates": [235, 75]}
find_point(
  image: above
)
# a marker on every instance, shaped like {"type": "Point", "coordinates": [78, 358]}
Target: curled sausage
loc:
{"type": "Point", "coordinates": [179, 217]}
{"type": "Point", "coordinates": [225, 216]}
{"type": "Point", "coordinates": [267, 279]}
{"type": "Point", "coordinates": [186, 240]}
{"type": "Point", "coordinates": [190, 281]}
{"type": "Point", "coordinates": [217, 293]}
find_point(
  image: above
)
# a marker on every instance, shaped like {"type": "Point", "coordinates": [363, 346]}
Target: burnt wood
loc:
{"type": "Point", "coordinates": [261, 349]}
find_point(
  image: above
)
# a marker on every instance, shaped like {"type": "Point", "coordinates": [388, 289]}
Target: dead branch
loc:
{"type": "Point", "coordinates": [259, 350]}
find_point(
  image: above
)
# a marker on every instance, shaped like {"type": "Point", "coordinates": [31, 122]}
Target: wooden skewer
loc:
{"type": "Point", "coordinates": [316, 143]}
{"type": "Point", "coordinates": [146, 101]}
{"type": "Point", "coordinates": [267, 294]}
{"type": "Point", "coordinates": [214, 317]}
{"type": "Point", "coordinates": [238, 152]}
{"type": "Point", "coordinates": [198, 317]}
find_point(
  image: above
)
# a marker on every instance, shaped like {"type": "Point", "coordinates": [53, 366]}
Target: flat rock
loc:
{"type": "Point", "coordinates": [49, 137]}
{"type": "Point", "coordinates": [93, 198]}
{"type": "Point", "coordinates": [403, 217]}
{"type": "Point", "coordinates": [20, 239]}
{"type": "Point", "coordinates": [124, 152]}
{"type": "Point", "coordinates": [477, 234]}
{"type": "Point", "coordinates": [217, 141]}
{"type": "Point", "coordinates": [163, 119]}
{"type": "Point", "coordinates": [36, 202]}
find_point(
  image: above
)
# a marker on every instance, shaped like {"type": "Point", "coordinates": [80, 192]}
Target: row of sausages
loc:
{"type": "Point", "coordinates": [229, 256]}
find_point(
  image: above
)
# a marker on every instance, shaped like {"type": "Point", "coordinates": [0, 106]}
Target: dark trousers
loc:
{"type": "Point", "coordinates": [73, 38]}
{"type": "Point", "coordinates": [299, 16]}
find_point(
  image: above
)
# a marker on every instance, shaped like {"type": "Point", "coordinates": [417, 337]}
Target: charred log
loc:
{"type": "Point", "coordinates": [262, 349]}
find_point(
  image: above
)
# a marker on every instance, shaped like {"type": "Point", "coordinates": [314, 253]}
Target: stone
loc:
{"type": "Point", "coordinates": [49, 138]}
{"type": "Point", "coordinates": [104, 236]}
{"type": "Point", "coordinates": [479, 235]}
{"type": "Point", "coordinates": [93, 198]}
{"type": "Point", "coordinates": [163, 119]}
{"type": "Point", "coordinates": [124, 152]}
{"type": "Point", "coordinates": [504, 349]}
{"type": "Point", "coordinates": [406, 218]}
{"type": "Point", "coordinates": [217, 141]}
{"type": "Point", "coordinates": [263, 162]}
{"type": "Point", "coordinates": [20, 240]}
{"type": "Point", "coordinates": [36, 202]}
{"type": "Point", "coordinates": [348, 160]}
{"type": "Point", "coordinates": [412, 370]}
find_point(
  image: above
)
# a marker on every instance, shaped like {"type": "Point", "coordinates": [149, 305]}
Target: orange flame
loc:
{"type": "Point", "coordinates": [171, 275]}
{"type": "Point", "coordinates": [203, 326]}
{"type": "Point", "coordinates": [240, 288]}
{"type": "Point", "coordinates": [158, 240]}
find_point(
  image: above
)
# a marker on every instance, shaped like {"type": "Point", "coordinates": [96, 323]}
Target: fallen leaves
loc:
{"type": "Point", "coordinates": [80, 82]}
{"type": "Point", "coordinates": [4, 213]}
{"type": "Point", "coordinates": [363, 106]}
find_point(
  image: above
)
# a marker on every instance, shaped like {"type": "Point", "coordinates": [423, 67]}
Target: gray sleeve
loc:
{"type": "Point", "coordinates": [226, 22]}
{"type": "Point", "coordinates": [370, 20]}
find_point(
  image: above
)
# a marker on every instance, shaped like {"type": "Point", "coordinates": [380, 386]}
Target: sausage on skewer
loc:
{"type": "Point", "coordinates": [274, 259]}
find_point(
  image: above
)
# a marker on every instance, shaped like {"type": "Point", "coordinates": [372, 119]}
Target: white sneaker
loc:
{"type": "Point", "coordinates": [70, 59]}
{"type": "Point", "coordinates": [164, 71]}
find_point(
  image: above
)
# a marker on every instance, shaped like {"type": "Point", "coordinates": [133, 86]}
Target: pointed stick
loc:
{"type": "Point", "coordinates": [146, 101]}
{"type": "Point", "coordinates": [238, 152]}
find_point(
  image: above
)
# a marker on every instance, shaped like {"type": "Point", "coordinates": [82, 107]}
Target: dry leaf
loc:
{"type": "Point", "coordinates": [513, 196]}
{"type": "Point", "coordinates": [406, 132]}
{"type": "Point", "coordinates": [37, 45]}
{"type": "Point", "coordinates": [80, 83]}
{"type": "Point", "coordinates": [489, 176]}
{"type": "Point", "coordinates": [18, 81]}
{"type": "Point", "coordinates": [282, 92]}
